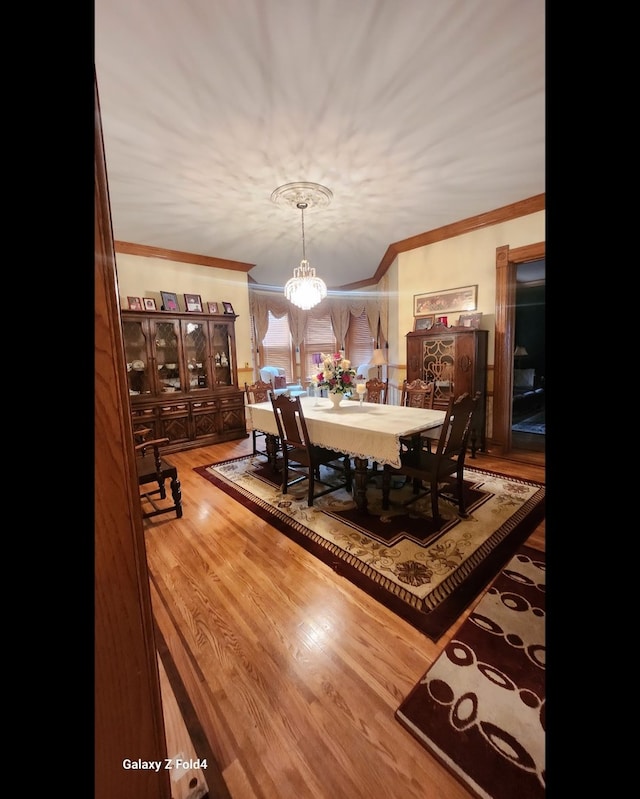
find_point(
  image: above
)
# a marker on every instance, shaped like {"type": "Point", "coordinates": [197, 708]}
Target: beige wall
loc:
{"type": "Point", "coordinates": [461, 261]}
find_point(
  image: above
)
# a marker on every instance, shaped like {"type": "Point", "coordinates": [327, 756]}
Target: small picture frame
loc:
{"type": "Point", "coordinates": [470, 320]}
{"type": "Point", "coordinates": [193, 303]}
{"type": "Point", "coordinates": [135, 303]}
{"type": "Point", "coordinates": [169, 301]}
{"type": "Point", "coordinates": [149, 304]}
{"type": "Point", "coordinates": [212, 307]}
{"type": "Point", "coordinates": [228, 308]}
{"type": "Point", "coordinates": [423, 323]}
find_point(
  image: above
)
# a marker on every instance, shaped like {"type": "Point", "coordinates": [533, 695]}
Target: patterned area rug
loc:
{"type": "Point", "coordinates": [481, 707]}
{"type": "Point", "coordinates": [532, 424]}
{"type": "Point", "coordinates": [426, 573]}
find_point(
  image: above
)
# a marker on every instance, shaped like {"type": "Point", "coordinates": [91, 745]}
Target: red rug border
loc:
{"type": "Point", "coordinates": [433, 624]}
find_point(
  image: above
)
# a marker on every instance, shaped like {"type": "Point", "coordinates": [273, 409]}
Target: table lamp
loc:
{"type": "Point", "coordinates": [378, 360]}
{"type": "Point", "coordinates": [518, 354]}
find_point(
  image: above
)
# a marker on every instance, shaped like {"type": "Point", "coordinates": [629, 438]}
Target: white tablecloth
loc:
{"type": "Point", "coordinates": [371, 431]}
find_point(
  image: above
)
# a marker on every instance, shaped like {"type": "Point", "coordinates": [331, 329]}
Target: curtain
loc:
{"type": "Point", "coordinates": [340, 310]}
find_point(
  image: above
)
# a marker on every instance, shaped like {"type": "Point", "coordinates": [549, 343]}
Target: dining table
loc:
{"type": "Point", "coordinates": [365, 431]}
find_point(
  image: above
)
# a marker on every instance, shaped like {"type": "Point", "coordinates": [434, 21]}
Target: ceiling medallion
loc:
{"type": "Point", "coordinates": [313, 195]}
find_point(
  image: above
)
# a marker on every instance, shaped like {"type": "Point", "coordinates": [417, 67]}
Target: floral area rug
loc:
{"type": "Point", "coordinates": [480, 708]}
{"type": "Point", "coordinates": [426, 573]}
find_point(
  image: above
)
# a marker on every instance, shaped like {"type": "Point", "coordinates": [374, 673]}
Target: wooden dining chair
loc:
{"type": "Point", "coordinates": [297, 448]}
{"type": "Point", "coordinates": [377, 390]}
{"type": "Point", "coordinates": [436, 468]}
{"type": "Point", "coordinates": [153, 469]}
{"type": "Point", "coordinates": [417, 394]}
{"type": "Point", "coordinates": [257, 392]}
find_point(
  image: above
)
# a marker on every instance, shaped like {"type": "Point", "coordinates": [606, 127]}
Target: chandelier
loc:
{"type": "Point", "coordinates": [304, 289]}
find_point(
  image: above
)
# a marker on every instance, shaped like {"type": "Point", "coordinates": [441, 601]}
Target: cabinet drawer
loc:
{"type": "Point", "coordinates": [225, 403]}
{"type": "Point", "coordinates": [168, 411]}
{"type": "Point", "coordinates": [207, 406]}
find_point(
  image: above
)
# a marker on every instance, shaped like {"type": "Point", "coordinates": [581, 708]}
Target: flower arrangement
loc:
{"type": "Point", "coordinates": [335, 374]}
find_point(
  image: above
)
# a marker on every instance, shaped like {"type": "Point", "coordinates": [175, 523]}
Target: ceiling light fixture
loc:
{"type": "Point", "coordinates": [304, 289]}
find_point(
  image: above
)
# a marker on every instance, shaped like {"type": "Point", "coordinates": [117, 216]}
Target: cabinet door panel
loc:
{"type": "Point", "coordinates": [168, 355]}
{"type": "Point", "coordinates": [138, 357]}
{"type": "Point", "coordinates": [174, 422]}
{"type": "Point", "coordinates": [205, 418]}
{"type": "Point", "coordinates": [222, 352]}
{"type": "Point", "coordinates": [195, 336]}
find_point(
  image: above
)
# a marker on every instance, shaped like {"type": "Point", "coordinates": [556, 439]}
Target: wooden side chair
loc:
{"type": "Point", "coordinates": [377, 390]}
{"type": "Point", "coordinates": [296, 447]}
{"type": "Point", "coordinates": [417, 394]}
{"type": "Point", "coordinates": [154, 469]}
{"type": "Point", "coordinates": [435, 468]}
{"type": "Point", "coordinates": [257, 392]}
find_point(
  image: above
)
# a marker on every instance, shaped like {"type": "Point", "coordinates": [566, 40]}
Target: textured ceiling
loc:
{"type": "Point", "coordinates": [414, 113]}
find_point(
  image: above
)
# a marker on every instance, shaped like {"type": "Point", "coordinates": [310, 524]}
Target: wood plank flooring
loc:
{"type": "Point", "coordinates": [292, 674]}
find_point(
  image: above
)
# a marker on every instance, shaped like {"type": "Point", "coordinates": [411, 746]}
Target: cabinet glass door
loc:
{"type": "Point", "coordinates": [168, 356]}
{"type": "Point", "coordinates": [221, 354]}
{"type": "Point", "coordinates": [137, 349]}
{"type": "Point", "coordinates": [438, 364]}
{"type": "Point", "coordinates": [194, 336]}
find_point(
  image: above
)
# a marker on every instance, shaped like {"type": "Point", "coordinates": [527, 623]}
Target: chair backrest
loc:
{"type": "Point", "coordinates": [417, 394]}
{"type": "Point", "coordinates": [257, 392]}
{"type": "Point", "coordinates": [292, 427]}
{"type": "Point", "coordinates": [275, 375]}
{"type": "Point", "coordinates": [456, 426]}
{"type": "Point", "coordinates": [377, 391]}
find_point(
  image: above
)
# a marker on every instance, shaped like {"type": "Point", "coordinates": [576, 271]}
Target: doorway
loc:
{"type": "Point", "coordinates": [507, 260]}
{"type": "Point", "coordinates": [528, 417]}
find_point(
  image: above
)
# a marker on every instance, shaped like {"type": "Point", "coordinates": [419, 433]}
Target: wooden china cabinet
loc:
{"type": "Point", "coordinates": [456, 359]}
{"type": "Point", "coordinates": [183, 378]}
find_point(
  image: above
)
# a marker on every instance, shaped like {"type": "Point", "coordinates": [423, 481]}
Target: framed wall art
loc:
{"type": "Point", "coordinates": [423, 323]}
{"type": "Point", "coordinates": [149, 304]}
{"type": "Point", "coordinates": [212, 307]}
{"type": "Point", "coordinates": [193, 303]}
{"type": "Point", "coordinates": [464, 298]}
{"type": "Point", "coordinates": [228, 308]}
{"type": "Point", "coordinates": [470, 320]}
{"type": "Point", "coordinates": [169, 301]}
{"type": "Point", "coordinates": [135, 303]}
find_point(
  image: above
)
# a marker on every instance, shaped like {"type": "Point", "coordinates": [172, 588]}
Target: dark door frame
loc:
{"type": "Point", "coordinates": [507, 260]}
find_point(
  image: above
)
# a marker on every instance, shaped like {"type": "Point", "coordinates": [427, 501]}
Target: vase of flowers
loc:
{"type": "Point", "coordinates": [337, 376]}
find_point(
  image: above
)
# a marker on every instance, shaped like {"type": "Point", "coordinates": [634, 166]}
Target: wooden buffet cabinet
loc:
{"type": "Point", "coordinates": [456, 359]}
{"type": "Point", "coordinates": [183, 377]}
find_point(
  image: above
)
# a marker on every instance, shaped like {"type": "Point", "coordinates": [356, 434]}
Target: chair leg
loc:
{"type": "Point", "coordinates": [435, 513]}
{"type": "Point", "coordinates": [462, 507]}
{"type": "Point", "coordinates": [386, 487]}
{"type": "Point", "coordinates": [312, 483]}
{"type": "Point", "coordinates": [285, 472]}
{"type": "Point", "coordinates": [347, 472]}
{"type": "Point", "coordinates": [176, 493]}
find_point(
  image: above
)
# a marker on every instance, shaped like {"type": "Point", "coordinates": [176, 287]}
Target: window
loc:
{"type": "Point", "coordinates": [360, 343]}
{"type": "Point", "coordinates": [278, 349]}
{"type": "Point", "coordinates": [318, 338]}
{"type": "Point", "coordinates": [276, 346]}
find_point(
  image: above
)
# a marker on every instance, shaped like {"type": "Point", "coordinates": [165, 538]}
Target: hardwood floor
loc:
{"type": "Point", "coordinates": [292, 674]}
